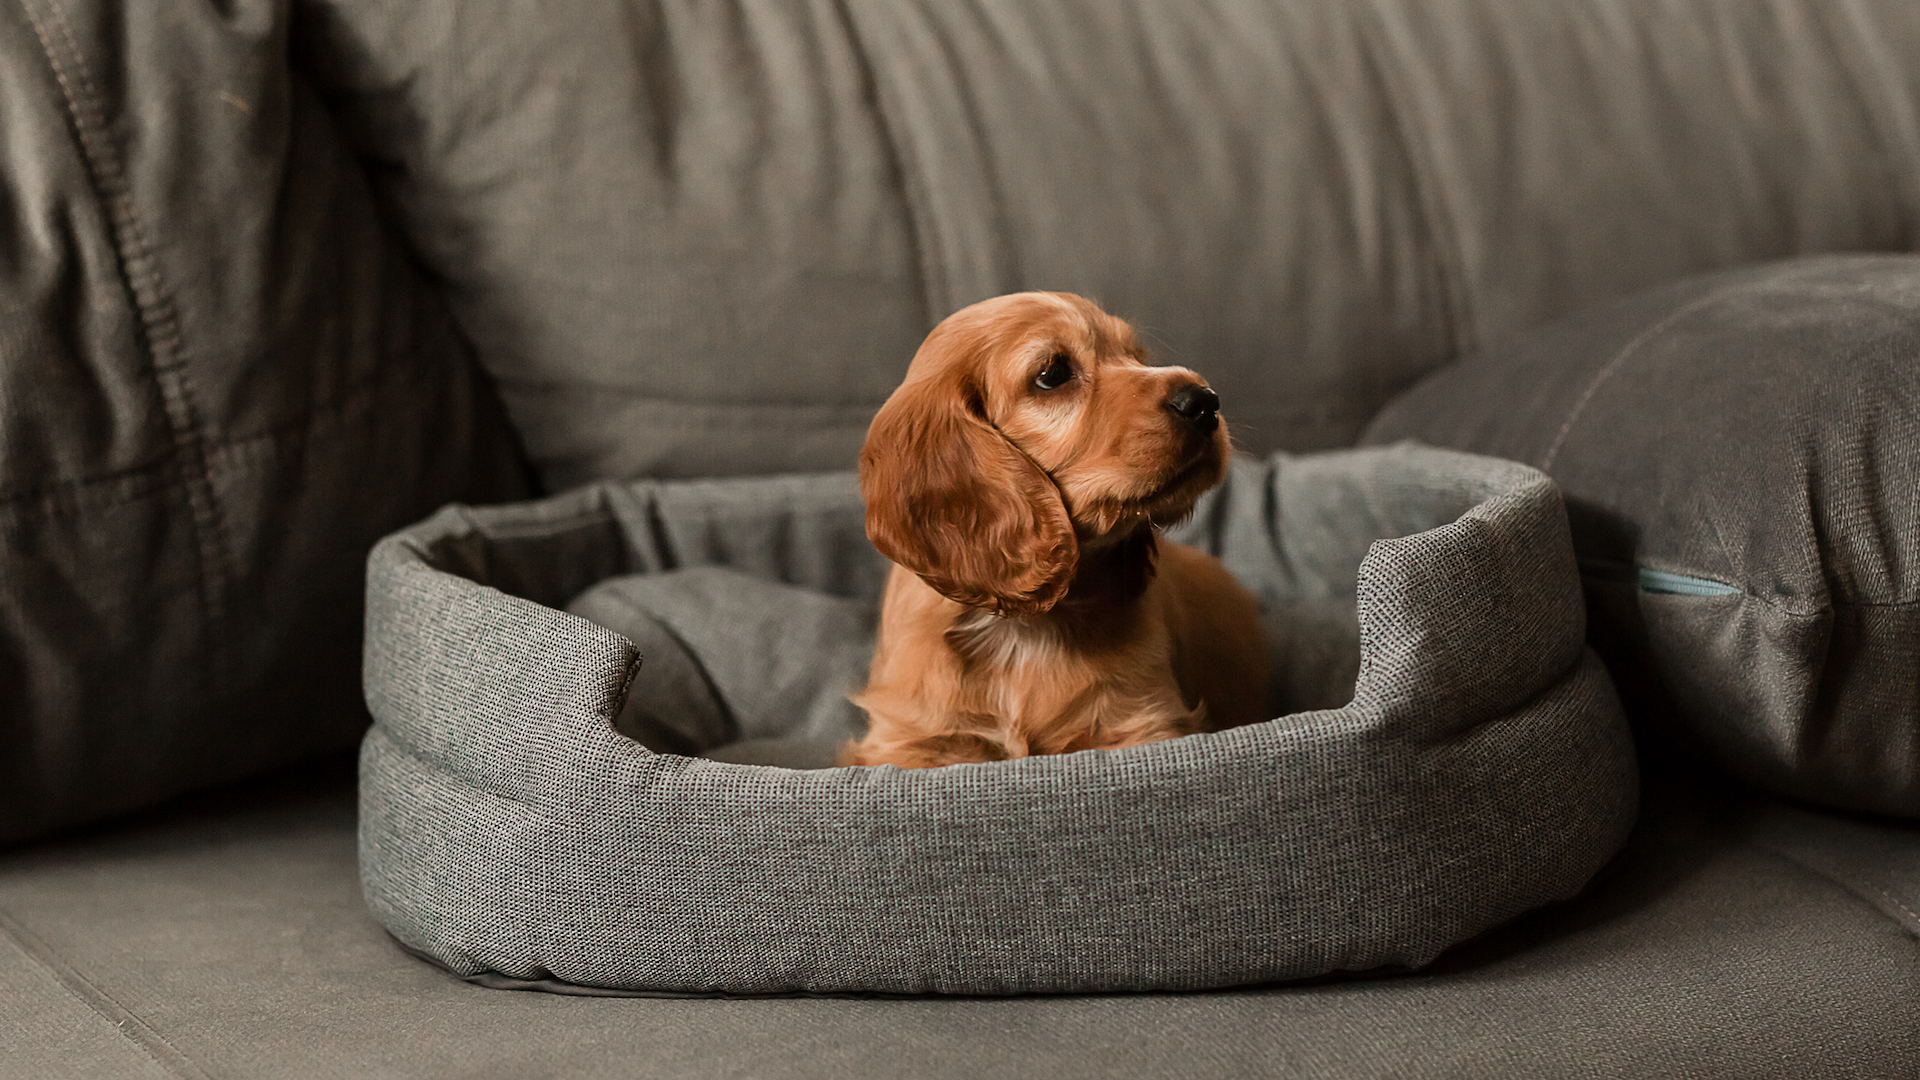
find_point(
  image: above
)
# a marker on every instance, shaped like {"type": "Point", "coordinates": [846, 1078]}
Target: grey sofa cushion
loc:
{"type": "Point", "coordinates": [1732, 937]}
{"type": "Point", "coordinates": [698, 239]}
{"type": "Point", "coordinates": [220, 381]}
{"type": "Point", "coordinates": [1741, 456]}
{"type": "Point", "coordinates": [1477, 766]}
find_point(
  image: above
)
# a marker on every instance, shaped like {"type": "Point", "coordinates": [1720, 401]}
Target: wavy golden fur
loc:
{"type": "Point", "coordinates": [1015, 479]}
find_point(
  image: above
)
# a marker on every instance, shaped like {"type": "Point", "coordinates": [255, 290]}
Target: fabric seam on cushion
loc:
{"type": "Point", "coordinates": [72, 488]}
{"type": "Point", "coordinates": [1783, 604]}
{"type": "Point", "coordinates": [159, 322]}
{"type": "Point", "coordinates": [1611, 367]}
{"type": "Point", "coordinates": [315, 413]}
{"type": "Point", "coordinates": [1518, 712]}
{"type": "Point", "coordinates": [626, 687]}
{"type": "Point", "coordinates": [1875, 605]}
{"type": "Point", "coordinates": [1862, 891]}
{"type": "Point", "coordinates": [1439, 221]}
{"type": "Point", "coordinates": [302, 427]}
{"type": "Point", "coordinates": [135, 1030]}
{"type": "Point", "coordinates": [1810, 565]}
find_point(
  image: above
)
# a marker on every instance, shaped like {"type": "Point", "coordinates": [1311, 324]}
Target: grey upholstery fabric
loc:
{"type": "Point", "coordinates": [1481, 767]}
{"type": "Point", "coordinates": [221, 380]}
{"type": "Point", "coordinates": [1741, 456]}
{"type": "Point", "coordinates": [738, 668]}
{"type": "Point", "coordinates": [1735, 936]}
{"type": "Point", "coordinates": [696, 238]}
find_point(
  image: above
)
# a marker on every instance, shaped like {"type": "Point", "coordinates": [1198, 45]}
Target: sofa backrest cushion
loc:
{"type": "Point", "coordinates": [697, 238]}
{"type": "Point", "coordinates": [221, 380]}
{"type": "Point", "coordinates": [1741, 458]}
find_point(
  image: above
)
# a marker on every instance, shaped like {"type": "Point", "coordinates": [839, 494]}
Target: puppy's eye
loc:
{"type": "Point", "coordinates": [1058, 372]}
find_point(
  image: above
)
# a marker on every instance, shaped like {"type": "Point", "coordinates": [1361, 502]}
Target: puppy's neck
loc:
{"type": "Point", "coordinates": [1113, 571]}
{"type": "Point", "coordinates": [1112, 574]}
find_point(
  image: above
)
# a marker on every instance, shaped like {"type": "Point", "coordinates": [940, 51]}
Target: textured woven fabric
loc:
{"type": "Point", "coordinates": [1481, 767]}
{"type": "Point", "coordinates": [221, 380]}
{"type": "Point", "coordinates": [738, 668]}
{"type": "Point", "coordinates": [1741, 458]}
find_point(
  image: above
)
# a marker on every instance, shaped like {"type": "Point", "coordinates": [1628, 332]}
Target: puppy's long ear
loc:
{"type": "Point", "coordinates": [949, 498]}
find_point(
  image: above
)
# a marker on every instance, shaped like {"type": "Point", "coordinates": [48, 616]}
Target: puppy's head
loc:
{"type": "Point", "coordinates": [1030, 428]}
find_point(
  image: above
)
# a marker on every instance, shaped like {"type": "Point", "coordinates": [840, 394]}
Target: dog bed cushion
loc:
{"type": "Point", "coordinates": [1461, 759]}
{"type": "Point", "coordinates": [1740, 453]}
{"type": "Point", "coordinates": [737, 667]}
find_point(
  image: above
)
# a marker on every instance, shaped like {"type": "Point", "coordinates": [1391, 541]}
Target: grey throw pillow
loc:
{"type": "Point", "coordinates": [1741, 458]}
{"type": "Point", "coordinates": [220, 381]}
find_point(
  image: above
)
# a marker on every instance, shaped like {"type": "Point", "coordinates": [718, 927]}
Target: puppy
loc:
{"type": "Point", "coordinates": [1016, 479]}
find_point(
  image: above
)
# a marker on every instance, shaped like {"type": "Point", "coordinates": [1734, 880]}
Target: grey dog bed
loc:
{"type": "Point", "coordinates": [1447, 753]}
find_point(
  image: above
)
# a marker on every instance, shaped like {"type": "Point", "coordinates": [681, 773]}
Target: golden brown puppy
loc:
{"type": "Point", "coordinates": [1015, 479]}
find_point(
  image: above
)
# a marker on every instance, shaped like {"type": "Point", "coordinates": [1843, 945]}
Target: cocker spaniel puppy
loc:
{"type": "Point", "coordinates": [1016, 479]}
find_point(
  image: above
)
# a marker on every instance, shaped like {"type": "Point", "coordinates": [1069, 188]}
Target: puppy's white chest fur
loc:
{"type": "Point", "coordinates": [1005, 687]}
{"type": "Point", "coordinates": [1048, 685]}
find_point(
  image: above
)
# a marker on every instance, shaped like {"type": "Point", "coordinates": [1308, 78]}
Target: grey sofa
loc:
{"type": "Point", "coordinates": [279, 278]}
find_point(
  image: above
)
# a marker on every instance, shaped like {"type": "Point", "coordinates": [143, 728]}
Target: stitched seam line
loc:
{"type": "Point", "coordinates": [303, 427]}
{"type": "Point", "coordinates": [1902, 908]}
{"type": "Point", "coordinates": [1875, 605]}
{"type": "Point", "coordinates": [140, 271]}
{"type": "Point", "coordinates": [1868, 894]}
{"type": "Point", "coordinates": [1613, 366]}
{"type": "Point", "coordinates": [103, 1004]}
{"type": "Point", "coordinates": [151, 478]}
{"type": "Point", "coordinates": [1784, 605]}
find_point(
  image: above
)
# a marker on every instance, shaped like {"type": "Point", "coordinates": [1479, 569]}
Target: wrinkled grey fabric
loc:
{"type": "Point", "coordinates": [738, 668]}
{"type": "Point", "coordinates": [221, 379]}
{"type": "Point", "coordinates": [1755, 435]}
{"type": "Point", "coordinates": [696, 238]}
{"type": "Point", "coordinates": [1479, 766]}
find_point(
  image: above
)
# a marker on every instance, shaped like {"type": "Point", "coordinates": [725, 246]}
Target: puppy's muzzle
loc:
{"type": "Point", "coordinates": [1198, 408]}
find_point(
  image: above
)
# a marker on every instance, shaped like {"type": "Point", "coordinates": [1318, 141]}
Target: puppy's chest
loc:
{"type": "Point", "coordinates": [1045, 689]}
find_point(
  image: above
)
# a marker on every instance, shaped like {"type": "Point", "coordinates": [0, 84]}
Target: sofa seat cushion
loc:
{"type": "Point", "coordinates": [1466, 759]}
{"type": "Point", "coordinates": [1735, 936]}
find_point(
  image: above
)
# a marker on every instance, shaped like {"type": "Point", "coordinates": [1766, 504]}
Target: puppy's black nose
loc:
{"type": "Point", "coordinates": [1199, 406]}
